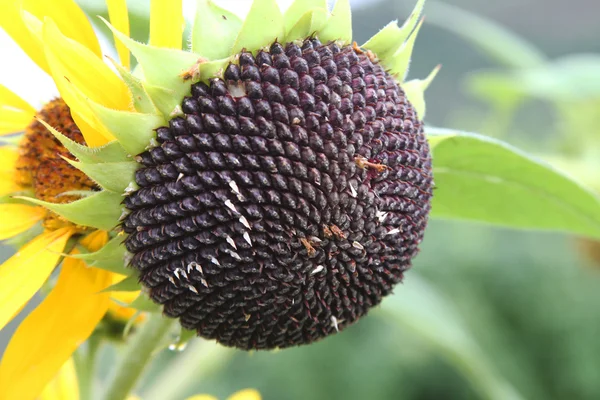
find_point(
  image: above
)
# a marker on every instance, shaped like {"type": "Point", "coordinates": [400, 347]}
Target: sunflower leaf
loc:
{"type": "Point", "coordinates": [101, 210]}
{"type": "Point", "coordinates": [485, 180]}
{"type": "Point", "coordinates": [339, 24]}
{"type": "Point", "coordinates": [263, 25]}
{"type": "Point", "coordinates": [213, 22]}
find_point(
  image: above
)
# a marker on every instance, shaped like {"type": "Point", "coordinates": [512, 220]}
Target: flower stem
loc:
{"type": "Point", "coordinates": [138, 354]}
{"type": "Point", "coordinates": [199, 359]}
{"type": "Point", "coordinates": [85, 361]}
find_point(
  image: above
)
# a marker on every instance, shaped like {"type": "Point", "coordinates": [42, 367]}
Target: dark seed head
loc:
{"type": "Point", "coordinates": [279, 216]}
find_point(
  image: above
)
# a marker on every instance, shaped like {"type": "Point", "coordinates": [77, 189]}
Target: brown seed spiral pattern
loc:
{"type": "Point", "coordinates": [287, 200]}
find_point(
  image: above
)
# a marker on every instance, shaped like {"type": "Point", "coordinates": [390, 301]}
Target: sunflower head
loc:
{"type": "Point", "coordinates": [273, 184]}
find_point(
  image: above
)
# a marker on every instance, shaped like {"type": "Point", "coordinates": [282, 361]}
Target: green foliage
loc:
{"type": "Point", "coordinates": [484, 180]}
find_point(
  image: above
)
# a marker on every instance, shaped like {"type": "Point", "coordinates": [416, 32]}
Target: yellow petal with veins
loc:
{"type": "Point", "coordinates": [15, 113]}
{"type": "Point", "coordinates": [25, 272]}
{"type": "Point", "coordinates": [52, 332]}
{"type": "Point", "coordinates": [17, 218]}
{"type": "Point", "coordinates": [166, 23]}
{"type": "Point", "coordinates": [64, 386]}
{"type": "Point", "coordinates": [84, 69]}
{"type": "Point", "coordinates": [119, 19]}
{"type": "Point", "coordinates": [67, 15]}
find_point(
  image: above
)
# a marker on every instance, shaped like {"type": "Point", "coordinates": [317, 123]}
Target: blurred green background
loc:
{"type": "Point", "coordinates": [485, 312]}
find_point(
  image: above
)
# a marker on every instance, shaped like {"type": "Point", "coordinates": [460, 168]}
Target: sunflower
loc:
{"type": "Point", "coordinates": [271, 182]}
{"type": "Point", "coordinates": [64, 386]}
{"type": "Point", "coordinates": [37, 166]}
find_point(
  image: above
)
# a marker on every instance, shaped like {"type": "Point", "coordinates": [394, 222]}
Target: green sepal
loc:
{"type": "Point", "coordinates": [100, 211]}
{"type": "Point", "coordinates": [415, 91]}
{"type": "Point", "coordinates": [213, 22]}
{"type": "Point", "coordinates": [339, 24]}
{"type": "Point", "coordinates": [399, 62]}
{"type": "Point", "coordinates": [301, 7]}
{"type": "Point", "coordinates": [110, 152]}
{"type": "Point", "coordinates": [129, 284]}
{"type": "Point", "coordinates": [143, 303]}
{"type": "Point", "coordinates": [312, 21]}
{"type": "Point", "coordinates": [161, 66]}
{"type": "Point", "coordinates": [263, 26]}
{"type": "Point", "coordinates": [115, 177]}
{"type": "Point", "coordinates": [164, 99]}
{"type": "Point", "coordinates": [141, 100]}
{"type": "Point", "coordinates": [113, 250]}
{"type": "Point", "coordinates": [133, 130]}
{"type": "Point", "coordinates": [388, 40]}
{"type": "Point", "coordinates": [111, 257]}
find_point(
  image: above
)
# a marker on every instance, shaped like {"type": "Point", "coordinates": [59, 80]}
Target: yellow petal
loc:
{"type": "Point", "coordinates": [65, 13]}
{"type": "Point", "coordinates": [84, 69]}
{"type": "Point", "coordinates": [15, 113]}
{"type": "Point", "coordinates": [64, 386]}
{"type": "Point", "coordinates": [166, 23]}
{"type": "Point", "coordinates": [8, 159]}
{"type": "Point", "coordinates": [246, 394]}
{"type": "Point", "coordinates": [119, 19]}
{"type": "Point", "coordinates": [24, 273]}
{"type": "Point", "coordinates": [17, 218]}
{"type": "Point", "coordinates": [54, 330]}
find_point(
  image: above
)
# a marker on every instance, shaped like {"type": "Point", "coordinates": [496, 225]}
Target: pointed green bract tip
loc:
{"type": "Point", "coordinates": [100, 210]}
{"type": "Point", "coordinates": [301, 7]}
{"type": "Point", "coordinates": [111, 152]}
{"type": "Point", "coordinates": [215, 30]}
{"type": "Point", "coordinates": [339, 25]}
{"type": "Point", "coordinates": [415, 91]}
{"type": "Point", "coordinates": [399, 62]}
{"type": "Point", "coordinates": [115, 177]}
{"type": "Point", "coordinates": [263, 25]}
{"type": "Point", "coordinates": [133, 130]}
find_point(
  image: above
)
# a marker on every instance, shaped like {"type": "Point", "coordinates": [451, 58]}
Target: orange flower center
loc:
{"type": "Point", "coordinates": [41, 166]}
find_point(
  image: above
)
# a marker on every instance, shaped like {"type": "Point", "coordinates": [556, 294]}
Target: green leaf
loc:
{"type": "Point", "coordinates": [485, 180]}
{"type": "Point", "coordinates": [133, 130]}
{"type": "Point", "coordinates": [339, 25]}
{"type": "Point", "coordinates": [111, 257]}
{"type": "Point", "coordinates": [213, 22]}
{"type": "Point", "coordinates": [418, 307]}
{"type": "Point", "coordinates": [101, 210]}
{"type": "Point", "coordinates": [129, 284]}
{"type": "Point", "coordinates": [110, 152]}
{"type": "Point", "coordinates": [115, 177]}
{"type": "Point", "coordinates": [263, 25]}
{"type": "Point", "coordinates": [415, 91]}
{"type": "Point", "coordinates": [494, 40]}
